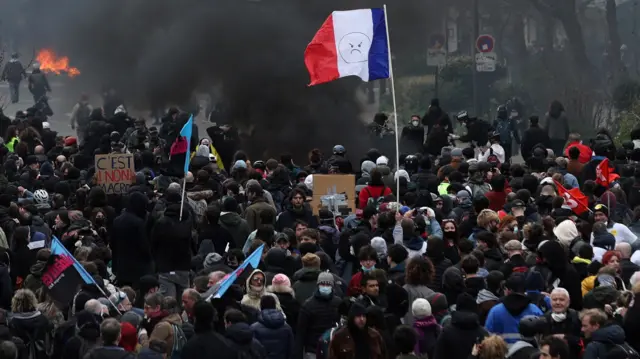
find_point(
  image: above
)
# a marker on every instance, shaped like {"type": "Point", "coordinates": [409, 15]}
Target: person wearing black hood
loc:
{"type": "Point", "coordinates": [233, 222]}
{"type": "Point", "coordinates": [239, 335]}
{"type": "Point", "coordinates": [130, 245]}
{"type": "Point", "coordinates": [533, 136]}
{"type": "Point", "coordinates": [206, 340]}
{"type": "Point", "coordinates": [435, 252]}
{"type": "Point", "coordinates": [488, 244]}
{"type": "Point", "coordinates": [459, 336]}
{"type": "Point", "coordinates": [413, 136]}
{"type": "Point", "coordinates": [171, 246]}
{"type": "Point", "coordinates": [98, 199]}
{"type": "Point", "coordinates": [557, 272]}
{"type": "Point", "coordinates": [435, 115]}
{"type": "Point", "coordinates": [86, 338]}
{"type": "Point", "coordinates": [556, 124]}
{"type": "Point", "coordinates": [357, 340]}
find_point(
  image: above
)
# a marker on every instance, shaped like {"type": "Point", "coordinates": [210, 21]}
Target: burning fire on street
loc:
{"type": "Point", "coordinates": [50, 62]}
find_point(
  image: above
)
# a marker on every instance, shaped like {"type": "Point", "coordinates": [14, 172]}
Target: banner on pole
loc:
{"type": "Point", "coordinates": [114, 172]}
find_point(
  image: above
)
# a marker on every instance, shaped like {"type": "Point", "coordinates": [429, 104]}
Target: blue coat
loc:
{"type": "Point", "coordinates": [504, 318]}
{"type": "Point", "coordinates": [274, 334]}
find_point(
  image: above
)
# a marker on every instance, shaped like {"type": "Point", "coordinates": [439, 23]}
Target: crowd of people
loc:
{"type": "Point", "coordinates": [448, 255]}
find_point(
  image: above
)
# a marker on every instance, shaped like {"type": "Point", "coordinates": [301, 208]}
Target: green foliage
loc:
{"type": "Point", "coordinates": [455, 89]}
{"type": "Point", "coordinates": [626, 94]}
{"type": "Point", "coordinates": [627, 121]}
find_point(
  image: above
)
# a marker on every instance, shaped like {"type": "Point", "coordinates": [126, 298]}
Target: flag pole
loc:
{"type": "Point", "coordinates": [393, 96]}
{"type": "Point", "coordinates": [184, 187]}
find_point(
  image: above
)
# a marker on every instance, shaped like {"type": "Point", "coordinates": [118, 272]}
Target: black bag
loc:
{"type": "Point", "coordinates": [620, 351]}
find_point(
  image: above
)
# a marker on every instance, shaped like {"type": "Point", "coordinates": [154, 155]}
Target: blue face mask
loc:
{"type": "Point", "coordinates": [515, 230]}
{"type": "Point", "coordinates": [367, 270]}
{"type": "Point", "coordinates": [325, 290]}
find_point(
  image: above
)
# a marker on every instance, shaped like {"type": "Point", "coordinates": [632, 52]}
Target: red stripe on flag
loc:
{"type": "Point", "coordinates": [321, 57]}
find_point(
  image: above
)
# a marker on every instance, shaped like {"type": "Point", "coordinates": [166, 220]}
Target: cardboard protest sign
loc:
{"type": "Point", "coordinates": [335, 192]}
{"type": "Point", "coordinates": [115, 172]}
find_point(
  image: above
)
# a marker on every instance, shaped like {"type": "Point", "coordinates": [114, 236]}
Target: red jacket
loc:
{"type": "Point", "coordinates": [354, 288]}
{"type": "Point", "coordinates": [585, 151]}
{"type": "Point", "coordinates": [372, 191]}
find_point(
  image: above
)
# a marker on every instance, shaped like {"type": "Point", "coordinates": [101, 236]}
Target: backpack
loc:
{"type": "Point", "coordinates": [40, 348]}
{"type": "Point", "coordinates": [179, 341]}
{"type": "Point", "coordinates": [620, 351]}
{"type": "Point", "coordinates": [82, 115]}
{"type": "Point", "coordinates": [503, 127]}
{"type": "Point", "coordinates": [322, 351]}
{"type": "Point", "coordinates": [85, 347]}
{"type": "Point", "coordinates": [376, 201]}
{"type": "Point", "coordinates": [493, 158]}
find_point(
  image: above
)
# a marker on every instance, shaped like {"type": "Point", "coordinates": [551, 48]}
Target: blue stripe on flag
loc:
{"type": "Point", "coordinates": [59, 249]}
{"type": "Point", "coordinates": [187, 131]}
{"type": "Point", "coordinates": [253, 259]}
{"type": "Point", "coordinates": [379, 51]}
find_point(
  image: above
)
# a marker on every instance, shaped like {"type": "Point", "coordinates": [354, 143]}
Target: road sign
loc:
{"type": "Point", "coordinates": [485, 43]}
{"type": "Point", "coordinates": [437, 53]}
{"type": "Point", "coordinates": [486, 62]}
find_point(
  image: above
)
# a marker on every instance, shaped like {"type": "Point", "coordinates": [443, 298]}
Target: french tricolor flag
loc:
{"type": "Point", "coordinates": [349, 43]}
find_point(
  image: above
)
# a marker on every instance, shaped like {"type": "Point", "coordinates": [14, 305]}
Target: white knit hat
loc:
{"type": "Point", "coordinates": [421, 308]}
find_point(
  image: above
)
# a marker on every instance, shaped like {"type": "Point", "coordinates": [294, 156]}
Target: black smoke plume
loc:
{"type": "Point", "coordinates": [162, 51]}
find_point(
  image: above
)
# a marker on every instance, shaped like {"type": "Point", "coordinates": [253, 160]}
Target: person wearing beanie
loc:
{"type": "Point", "coordinates": [272, 330]}
{"type": "Point", "coordinates": [463, 331]}
{"type": "Point", "coordinates": [356, 339]}
{"type": "Point", "coordinates": [281, 288]}
{"type": "Point", "coordinates": [504, 318]}
{"type": "Point", "coordinates": [129, 338]}
{"type": "Point", "coordinates": [426, 326]}
{"type": "Point", "coordinates": [206, 340]}
{"type": "Point", "coordinates": [621, 232]}
{"type": "Point", "coordinates": [305, 280]}
{"type": "Point", "coordinates": [534, 286]}
{"type": "Point", "coordinates": [317, 315]}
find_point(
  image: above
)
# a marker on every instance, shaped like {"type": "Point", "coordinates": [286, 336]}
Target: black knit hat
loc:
{"type": "Point", "coordinates": [466, 303]}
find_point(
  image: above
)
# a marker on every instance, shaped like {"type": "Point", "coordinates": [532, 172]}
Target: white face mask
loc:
{"type": "Point", "coordinates": [415, 123]}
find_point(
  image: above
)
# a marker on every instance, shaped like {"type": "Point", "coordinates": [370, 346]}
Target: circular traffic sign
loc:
{"type": "Point", "coordinates": [436, 41]}
{"type": "Point", "coordinates": [485, 43]}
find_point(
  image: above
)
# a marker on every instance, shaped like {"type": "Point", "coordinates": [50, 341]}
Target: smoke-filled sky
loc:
{"type": "Point", "coordinates": [164, 50]}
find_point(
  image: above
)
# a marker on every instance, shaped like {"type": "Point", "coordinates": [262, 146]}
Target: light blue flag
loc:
{"type": "Point", "coordinates": [186, 132]}
{"type": "Point", "coordinates": [59, 249]}
{"type": "Point", "coordinates": [252, 261]}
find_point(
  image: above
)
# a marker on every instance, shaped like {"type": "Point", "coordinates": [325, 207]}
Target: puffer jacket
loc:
{"type": "Point", "coordinates": [316, 316]}
{"type": "Point", "coordinates": [274, 334]}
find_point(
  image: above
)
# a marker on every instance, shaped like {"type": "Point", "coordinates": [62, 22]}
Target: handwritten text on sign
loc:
{"type": "Point", "coordinates": [115, 172]}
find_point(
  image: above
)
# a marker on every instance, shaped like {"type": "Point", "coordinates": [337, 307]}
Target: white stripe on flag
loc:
{"type": "Point", "coordinates": [353, 31]}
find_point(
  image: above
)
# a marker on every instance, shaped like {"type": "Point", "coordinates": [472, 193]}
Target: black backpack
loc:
{"type": "Point", "coordinates": [620, 351]}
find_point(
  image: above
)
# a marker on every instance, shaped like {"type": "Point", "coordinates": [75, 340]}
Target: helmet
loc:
{"type": "Point", "coordinates": [259, 165]}
{"type": "Point", "coordinates": [411, 163]}
{"type": "Point", "coordinates": [339, 150]}
{"type": "Point", "coordinates": [41, 196]}
{"type": "Point", "coordinates": [502, 111]}
{"type": "Point", "coordinates": [531, 326]}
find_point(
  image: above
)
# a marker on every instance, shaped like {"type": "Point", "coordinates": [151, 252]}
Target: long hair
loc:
{"type": "Point", "coordinates": [419, 271]}
{"type": "Point", "coordinates": [23, 301]}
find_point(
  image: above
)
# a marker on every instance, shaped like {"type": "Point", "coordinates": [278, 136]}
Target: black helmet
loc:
{"type": "Point", "coordinates": [531, 325]}
{"type": "Point", "coordinates": [411, 163]}
{"type": "Point", "coordinates": [502, 111]}
{"type": "Point", "coordinates": [462, 116]}
{"type": "Point", "coordinates": [259, 165]}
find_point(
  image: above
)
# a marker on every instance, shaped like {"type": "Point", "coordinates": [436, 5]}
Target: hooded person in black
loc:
{"type": "Point", "coordinates": [435, 115]}
{"type": "Point", "coordinates": [556, 270]}
{"type": "Point", "coordinates": [464, 330]}
{"type": "Point", "coordinates": [240, 337]}
{"type": "Point", "coordinates": [129, 242]}
{"type": "Point", "coordinates": [206, 340]}
{"type": "Point", "coordinates": [357, 340]}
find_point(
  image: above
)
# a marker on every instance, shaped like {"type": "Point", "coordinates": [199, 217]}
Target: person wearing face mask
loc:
{"type": "Point", "coordinates": [451, 238]}
{"type": "Point", "coordinates": [412, 137]}
{"type": "Point", "coordinates": [564, 322]}
{"type": "Point", "coordinates": [317, 315]}
{"type": "Point", "coordinates": [368, 258]}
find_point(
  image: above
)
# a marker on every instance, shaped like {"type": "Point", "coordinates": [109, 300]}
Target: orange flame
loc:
{"type": "Point", "coordinates": [49, 62]}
